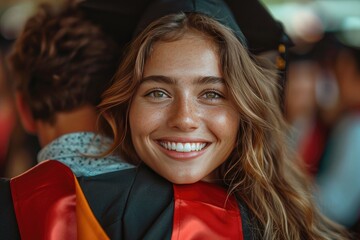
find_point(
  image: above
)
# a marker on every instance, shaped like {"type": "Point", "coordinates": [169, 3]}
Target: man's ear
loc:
{"type": "Point", "coordinates": [26, 117]}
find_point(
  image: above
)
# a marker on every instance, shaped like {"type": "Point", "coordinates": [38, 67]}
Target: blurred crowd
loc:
{"type": "Point", "coordinates": [322, 106]}
{"type": "Point", "coordinates": [323, 109]}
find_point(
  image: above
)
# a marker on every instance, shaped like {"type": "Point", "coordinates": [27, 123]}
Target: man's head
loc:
{"type": "Point", "coordinates": [61, 62]}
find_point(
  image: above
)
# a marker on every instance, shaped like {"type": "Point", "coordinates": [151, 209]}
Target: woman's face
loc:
{"type": "Point", "coordinates": [183, 123]}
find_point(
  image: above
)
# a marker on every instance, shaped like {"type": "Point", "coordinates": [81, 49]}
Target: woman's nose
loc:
{"type": "Point", "coordinates": [184, 115]}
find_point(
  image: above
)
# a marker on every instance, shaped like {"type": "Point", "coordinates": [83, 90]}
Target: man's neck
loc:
{"type": "Point", "coordinates": [80, 120]}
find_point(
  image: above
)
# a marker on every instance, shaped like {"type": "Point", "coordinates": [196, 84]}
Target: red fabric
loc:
{"type": "Point", "coordinates": [204, 211]}
{"type": "Point", "coordinates": [44, 202]}
{"type": "Point", "coordinates": [7, 120]}
{"type": "Point", "coordinates": [312, 147]}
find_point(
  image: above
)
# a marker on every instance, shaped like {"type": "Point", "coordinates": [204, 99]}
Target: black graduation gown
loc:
{"type": "Point", "coordinates": [129, 204]}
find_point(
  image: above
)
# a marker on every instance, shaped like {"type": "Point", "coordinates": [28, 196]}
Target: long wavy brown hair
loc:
{"type": "Point", "coordinates": [261, 171]}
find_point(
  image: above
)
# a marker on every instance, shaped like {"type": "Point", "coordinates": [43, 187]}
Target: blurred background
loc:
{"type": "Point", "coordinates": [322, 97]}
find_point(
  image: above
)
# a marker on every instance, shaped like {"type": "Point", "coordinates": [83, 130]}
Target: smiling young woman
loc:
{"type": "Point", "coordinates": [200, 118]}
{"type": "Point", "coordinates": [192, 104]}
{"type": "Point", "coordinates": [182, 121]}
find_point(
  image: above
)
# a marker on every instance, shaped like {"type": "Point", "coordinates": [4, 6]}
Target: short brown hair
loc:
{"type": "Point", "coordinates": [62, 61]}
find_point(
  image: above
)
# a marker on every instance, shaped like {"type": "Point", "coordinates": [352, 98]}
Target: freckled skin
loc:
{"type": "Point", "coordinates": [183, 110]}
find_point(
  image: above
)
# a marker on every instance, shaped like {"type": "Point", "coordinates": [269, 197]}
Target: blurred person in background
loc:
{"type": "Point", "coordinates": [311, 100]}
{"type": "Point", "coordinates": [323, 106]}
{"type": "Point", "coordinates": [61, 63]}
{"type": "Point", "coordinates": [300, 97]}
{"type": "Point", "coordinates": [338, 179]}
{"type": "Point", "coordinates": [7, 115]}
{"type": "Point", "coordinates": [17, 148]}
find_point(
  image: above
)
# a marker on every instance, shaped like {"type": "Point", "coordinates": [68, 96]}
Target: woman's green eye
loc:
{"type": "Point", "coordinates": [157, 94]}
{"type": "Point", "coordinates": [212, 95]}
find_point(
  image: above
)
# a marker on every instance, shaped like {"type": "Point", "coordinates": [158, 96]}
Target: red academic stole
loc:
{"type": "Point", "coordinates": [49, 204]}
{"type": "Point", "coordinates": [205, 211]}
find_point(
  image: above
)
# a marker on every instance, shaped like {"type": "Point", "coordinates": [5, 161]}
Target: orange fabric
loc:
{"type": "Point", "coordinates": [49, 204]}
{"type": "Point", "coordinates": [88, 226]}
{"type": "Point", "coordinates": [204, 211]}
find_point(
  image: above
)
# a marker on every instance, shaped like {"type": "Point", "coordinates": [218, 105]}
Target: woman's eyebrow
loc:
{"type": "Point", "coordinates": [159, 78]}
{"type": "Point", "coordinates": [210, 80]}
{"type": "Point", "coordinates": [170, 80]}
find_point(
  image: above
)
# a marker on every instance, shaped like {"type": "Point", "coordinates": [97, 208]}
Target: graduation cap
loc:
{"type": "Point", "coordinates": [262, 31]}
{"type": "Point", "coordinates": [250, 21]}
{"type": "Point", "coordinates": [216, 9]}
{"type": "Point", "coordinates": [117, 18]}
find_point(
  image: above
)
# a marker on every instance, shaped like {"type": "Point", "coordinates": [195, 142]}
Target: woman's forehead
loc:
{"type": "Point", "coordinates": [187, 57]}
{"type": "Point", "coordinates": [191, 37]}
{"type": "Point", "coordinates": [178, 34]}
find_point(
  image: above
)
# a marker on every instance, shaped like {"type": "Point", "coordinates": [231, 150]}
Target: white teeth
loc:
{"type": "Point", "coordinates": [183, 147]}
{"type": "Point", "coordinates": [179, 147]}
{"type": "Point", "coordinates": [187, 147]}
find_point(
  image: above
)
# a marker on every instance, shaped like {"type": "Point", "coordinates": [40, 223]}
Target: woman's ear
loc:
{"type": "Point", "coordinates": [26, 117]}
